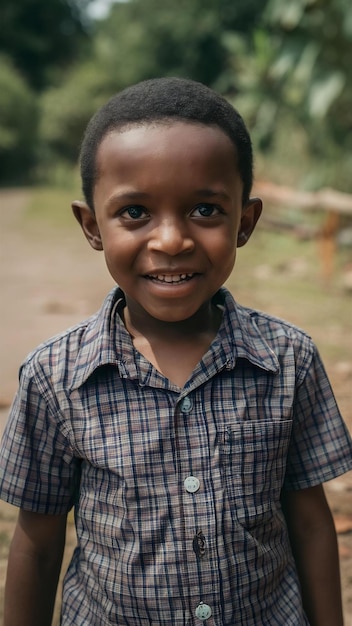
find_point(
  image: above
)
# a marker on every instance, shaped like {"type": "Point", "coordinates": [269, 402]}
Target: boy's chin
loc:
{"type": "Point", "coordinates": [183, 315]}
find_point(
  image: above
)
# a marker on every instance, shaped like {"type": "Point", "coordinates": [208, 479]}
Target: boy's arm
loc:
{"type": "Point", "coordinates": [33, 569]}
{"type": "Point", "coordinates": [314, 545]}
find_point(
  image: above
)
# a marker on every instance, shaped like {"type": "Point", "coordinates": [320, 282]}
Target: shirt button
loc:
{"type": "Point", "coordinates": [186, 405]}
{"type": "Point", "coordinates": [203, 611]}
{"type": "Point", "coordinates": [191, 484]}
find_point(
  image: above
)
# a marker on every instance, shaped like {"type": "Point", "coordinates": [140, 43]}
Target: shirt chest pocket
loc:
{"type": "Point", "coordinates": [253, 463]}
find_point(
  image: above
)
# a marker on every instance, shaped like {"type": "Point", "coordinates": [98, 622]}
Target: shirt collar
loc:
{"type": "Point", "coordinates": [240, 336]}
{"type": "Point", "coordinates": [105, 340]}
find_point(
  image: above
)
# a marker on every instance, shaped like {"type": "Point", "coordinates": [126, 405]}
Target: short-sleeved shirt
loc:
{"type": "Point", "coordinates": [176, 491]}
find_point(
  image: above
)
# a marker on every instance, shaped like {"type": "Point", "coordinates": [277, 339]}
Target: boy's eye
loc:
{"type": "Point", "coordinates": [135, 212]}
{"type": "Point", "coordinates": [205, 210]}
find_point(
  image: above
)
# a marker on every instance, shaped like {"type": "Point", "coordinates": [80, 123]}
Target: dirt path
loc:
{"type": "Point", "coordinates": [49, 282]}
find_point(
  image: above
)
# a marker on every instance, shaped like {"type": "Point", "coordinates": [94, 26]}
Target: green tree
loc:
{"type": "Point", "coordinates": [18, 124]}
{"type": "Point", "coordinates": [143, 39]}
{"type": "Point", "coordinates": [298, 83]}
{"type": "Point", "coordinates": [38, 42]}
{"type": "Point", "coordinates": [183, 37]}
{"type": "Point", "coordinates": [41, 35]}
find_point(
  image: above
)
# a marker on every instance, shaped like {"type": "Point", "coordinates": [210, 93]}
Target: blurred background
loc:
{"type": "Point", "coordinates": [285, 65]}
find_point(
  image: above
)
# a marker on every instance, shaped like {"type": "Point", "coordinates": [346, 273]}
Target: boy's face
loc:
{"type": "Point", "coordinates": [168, 215]}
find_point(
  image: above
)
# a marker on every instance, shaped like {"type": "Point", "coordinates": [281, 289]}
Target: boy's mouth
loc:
{"type": "Point", "coordinates": [170, 278]}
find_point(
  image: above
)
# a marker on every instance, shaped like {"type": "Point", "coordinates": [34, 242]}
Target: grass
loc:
{"type": "Point", "coordinates": [52, 206]}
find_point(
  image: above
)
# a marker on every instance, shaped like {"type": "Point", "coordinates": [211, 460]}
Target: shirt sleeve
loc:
{"type": "Point", "coordinates": [38, 471]}
{"type": "Point", "coordinates": [321, 446]}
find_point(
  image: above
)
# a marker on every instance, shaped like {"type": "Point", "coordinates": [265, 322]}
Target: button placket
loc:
{"type": "Point", "coordinates": [192, 485]}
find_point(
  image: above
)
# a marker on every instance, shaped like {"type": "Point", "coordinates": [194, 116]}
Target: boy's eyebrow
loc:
{"type": "Point", "coordinates": [128, 196]}
{"type": "Point", "coordinates": [212, 193]}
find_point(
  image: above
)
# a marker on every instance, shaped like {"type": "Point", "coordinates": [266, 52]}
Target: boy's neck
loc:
{"type": "Point", "coordinates": [205, 322]}
{"type": "Point", "coordinates": [174, 348]}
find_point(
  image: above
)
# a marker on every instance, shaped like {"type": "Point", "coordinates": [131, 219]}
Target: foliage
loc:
{"type": "Point", "coordinates": [40, 36]}
{"type": "Point", "coordinates": [66, 110]}
{"type": "Point", "coordinates": [183, 38]}
{"type": "Point", "coordinates": [142, 39]}
{"type": "Point", "coordinates": [38, 40]}
{"type": "Point", "coordinates": [300, 78]}
{"type": "Point", "coordinates": [285, 65]}
{"type": "Point", "coordinates": [18, 123]}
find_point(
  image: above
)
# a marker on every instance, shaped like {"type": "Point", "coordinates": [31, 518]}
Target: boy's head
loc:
{"type": "Point", "coordinates": [167, 172]}
{"type": "Point", "coordinates": [165, 99]}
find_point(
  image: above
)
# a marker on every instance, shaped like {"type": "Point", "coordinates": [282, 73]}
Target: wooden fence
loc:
{"type": "Point", "coordinates": [334, 204]}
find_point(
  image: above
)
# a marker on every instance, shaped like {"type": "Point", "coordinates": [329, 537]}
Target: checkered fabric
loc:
{"type": "Point", "coordinates": [177, 491]}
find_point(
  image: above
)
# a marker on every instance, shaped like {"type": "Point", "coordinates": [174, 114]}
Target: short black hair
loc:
{"type": "Point", "coordinates": [165, 99]}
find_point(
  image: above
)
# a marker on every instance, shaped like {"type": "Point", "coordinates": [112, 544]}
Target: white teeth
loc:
{"type": "Point", "coordinates": [174, 278]}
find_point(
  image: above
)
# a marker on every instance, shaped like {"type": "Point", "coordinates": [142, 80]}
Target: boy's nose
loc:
{"type": "Point", "coordinates": [171, 237]}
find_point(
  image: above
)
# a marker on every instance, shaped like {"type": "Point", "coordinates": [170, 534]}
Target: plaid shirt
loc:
{"type": "Point", "coordinates": [177, 491]}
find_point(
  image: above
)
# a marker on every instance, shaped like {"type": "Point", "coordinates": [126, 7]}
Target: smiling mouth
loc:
{"type": "Point", "coordinates": [170, 278]}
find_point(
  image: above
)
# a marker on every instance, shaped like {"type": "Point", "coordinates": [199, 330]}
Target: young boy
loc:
{"type": "Point", "coordinates": [191, 435]}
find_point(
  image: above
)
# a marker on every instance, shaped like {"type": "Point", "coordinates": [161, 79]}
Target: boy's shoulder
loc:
{"type": "Point", "coordinates": [78, 345]}
{"type": "Point", "coordinates": [256, 335]}
{"type": "Point", "coordinates": [69, 337]}
{"type": "Point", "coordinates": [267, 324]}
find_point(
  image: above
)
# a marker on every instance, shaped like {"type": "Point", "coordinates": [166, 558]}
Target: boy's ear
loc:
{"type": "Point", "coordinates": [86, 218]}
{"type": "Point", "coordinates": [250, 215]}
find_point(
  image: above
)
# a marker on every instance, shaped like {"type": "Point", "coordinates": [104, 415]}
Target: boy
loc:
{"type": "Point", "coordinates": [191, 435]}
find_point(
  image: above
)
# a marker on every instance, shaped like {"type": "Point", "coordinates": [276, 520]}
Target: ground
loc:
{"type": "Point", "coordinates": [50, 279]}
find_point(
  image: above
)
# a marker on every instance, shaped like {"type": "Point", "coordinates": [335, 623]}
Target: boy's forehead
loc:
{"type": "Point", "coordinates": [153, 159]}
{"type": "Point", "coordinates": [132, 132]}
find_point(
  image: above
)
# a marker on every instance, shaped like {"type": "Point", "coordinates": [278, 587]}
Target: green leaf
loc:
{"type": "Point", "coordinates": [324, 92]}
